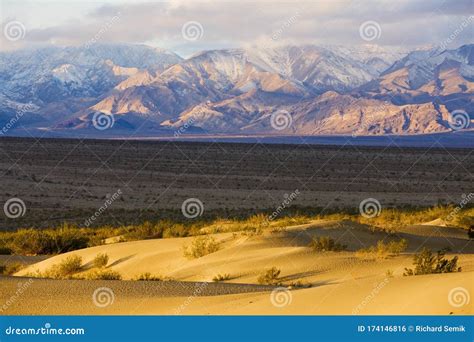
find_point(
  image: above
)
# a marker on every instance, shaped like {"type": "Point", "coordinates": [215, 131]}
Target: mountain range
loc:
{"type": "Point", "coordinates": [289, 90]}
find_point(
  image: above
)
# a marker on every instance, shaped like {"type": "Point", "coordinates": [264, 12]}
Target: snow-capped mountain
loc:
{"type": "Point", "coordinates": [321, 89]}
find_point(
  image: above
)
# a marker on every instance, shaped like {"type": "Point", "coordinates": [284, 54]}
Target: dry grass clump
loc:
{"type": "Point", "coordinates": [270, 277]}
{"type": "Point", "coordinates": [221, 277]}
{"type": "Point", "coordinates": [101, 260]}
{"type": "Point", "coordinates": [326, 244]}
{"type": "Point", "coordinates": [66, 269]}
{"type": "Point", "coordinates": [100, 275]}
{"type": "Point", "coordinates": [201, 246]}
{"type": "Point", "coordinates": [383, 250]}
{"type": "Point", "coordinates": [147, 276]}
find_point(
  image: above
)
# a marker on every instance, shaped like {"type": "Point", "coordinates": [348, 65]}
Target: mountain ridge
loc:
{"type": "Point", "coordinates": [311, 89]}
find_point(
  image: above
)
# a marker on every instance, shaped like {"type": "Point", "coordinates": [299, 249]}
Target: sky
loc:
{"type": "Point", "coordinates": [188, 26]}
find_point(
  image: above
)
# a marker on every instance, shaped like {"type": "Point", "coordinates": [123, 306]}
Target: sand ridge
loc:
{"type": "Point", "coordinates": [341, 282]}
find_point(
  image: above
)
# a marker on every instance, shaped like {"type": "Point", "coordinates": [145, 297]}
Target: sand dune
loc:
{"type": "Point", "coordinates": [341, 282]}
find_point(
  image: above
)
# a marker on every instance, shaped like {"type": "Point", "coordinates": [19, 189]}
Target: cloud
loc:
{"type": "Point", "coordinates": [237, 23]}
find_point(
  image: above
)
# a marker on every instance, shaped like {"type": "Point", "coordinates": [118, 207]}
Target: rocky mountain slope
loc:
{"type": "Point", "coordinates": [310, 90]}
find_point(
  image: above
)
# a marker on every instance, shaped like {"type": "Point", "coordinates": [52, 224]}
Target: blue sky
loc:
{"type": "Point", "coordinates": [236, 23]}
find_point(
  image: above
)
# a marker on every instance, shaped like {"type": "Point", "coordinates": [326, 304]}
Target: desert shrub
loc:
{"type": "Point", "coordinates": [70, 265]}
{"type": "Point", "coordinates": [102, 275]}
{"type": "Point", "coordinates": [270, 277]}
{"type": "Point", "coordinates": [426, 262]}
{"type": "Point", "coordinates": [66, 239]}
{"type": "Point", "coordinates": [30, 242]}
{"type": "Point", "coordinates": [291, 221]}
{"type": "Point", "coordinates": [299, 283]}
{"type": "Point", "coordinates": [5, 250]}
{"type": "Point", "coordinates": [144, 231]}
{"type": "Point", "coordinates": [147, 276]}
{"type": "Point", "coordinates": [101, 260]}
{"type": "Point", "coordinates": [51, 241]}
{"type": "Point", "coordinates": [325, 244]}
{"type": "Point", "coordinates": [221, 277]}
{"type": "Point", "coordinates": [11, 268]}
{"type": "Point", "coordinates": [64, 270]}
{"type": "Point", "coordinates": [389, 273]}
{"type": "Point", "coordinates": [383, 250]}
{"type": "Point", "coordinates": [177, 230]}
{"type": "Point", "coordinates": [201, 246]}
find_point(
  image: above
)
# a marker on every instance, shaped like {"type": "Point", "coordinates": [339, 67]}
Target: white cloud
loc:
{"type": "Point", "coordinates": [235, 23]}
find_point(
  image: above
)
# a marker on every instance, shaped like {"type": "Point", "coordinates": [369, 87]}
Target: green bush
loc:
{"type": "Point", "coordinates": [270, 277]}
{"type": "Point", "coordinates": [201, 246]}
{"type": "Point", "coordinates": [325, 244]}
{"type": "Point", "coordinates": [426, 262]}
{"type": "Point", "coordinates": [101, 260]}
